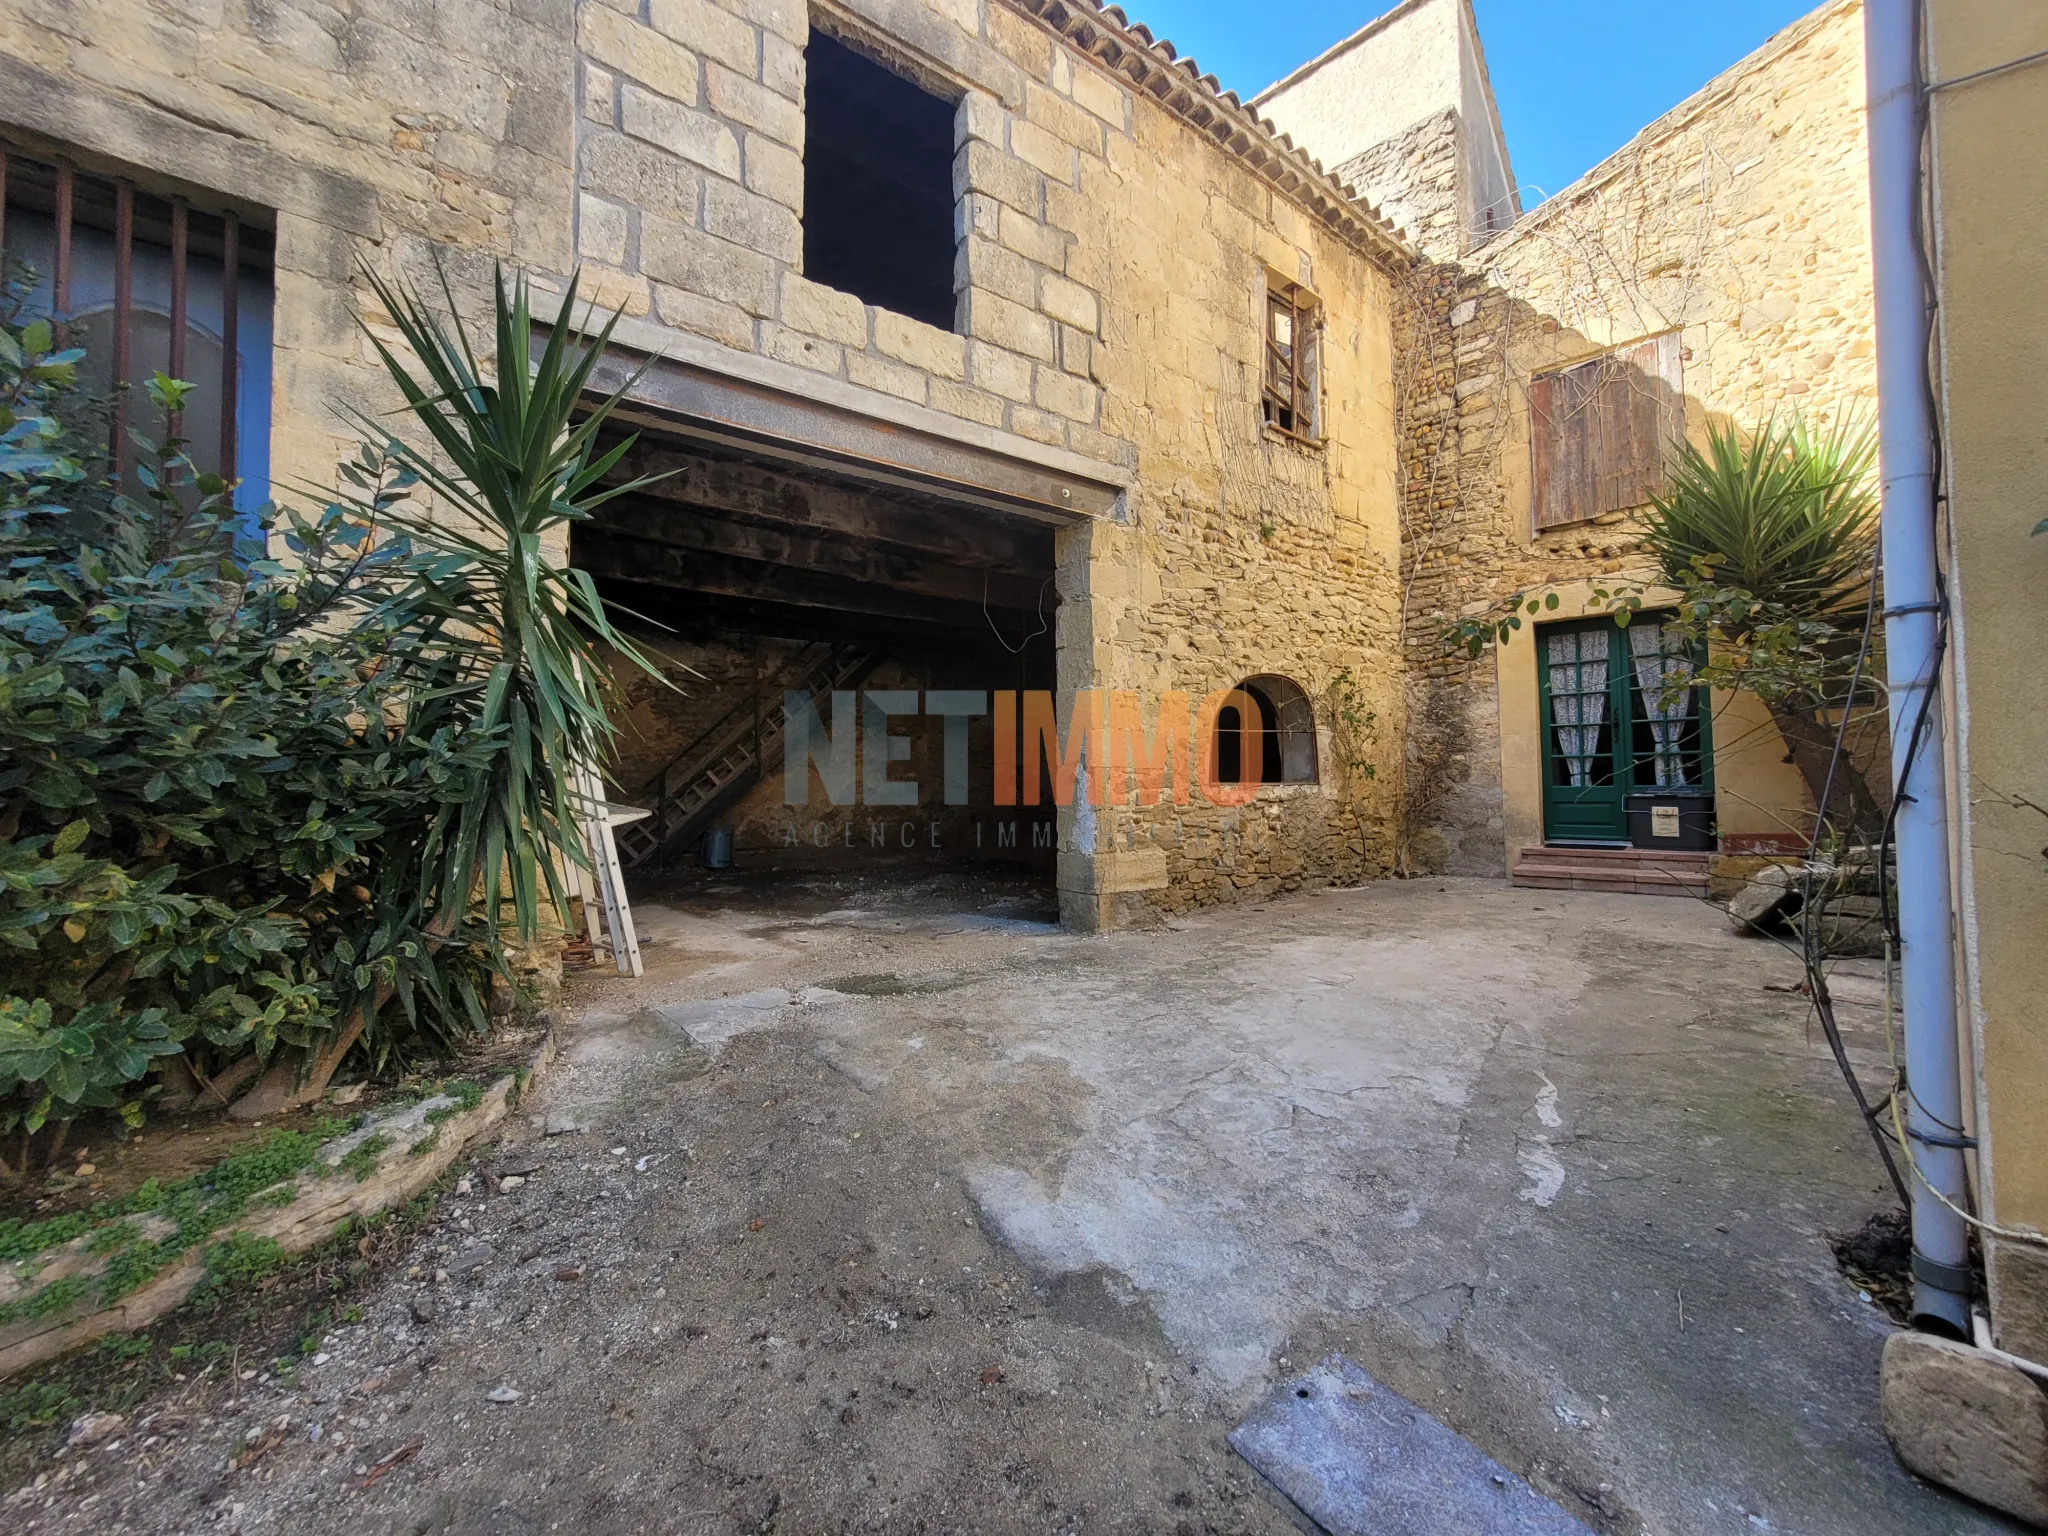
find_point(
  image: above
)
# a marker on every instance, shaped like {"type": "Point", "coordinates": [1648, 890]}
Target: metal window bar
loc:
{"type": "Point", "coordinates": [43, 184]}
{"type": "Point", "coordinates": [124, 295]}
{"type": "Point", "coordinates": [60, 279]}
{"type": "Point", "coordinates": [230, 336]}
{"type": "Point", "coordinates": [181, 217]}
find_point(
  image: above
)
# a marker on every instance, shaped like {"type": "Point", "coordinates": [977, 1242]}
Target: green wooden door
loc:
{"type": "Point", "coordinates": [1609, 729]}
{"type": "Point", "coordinates": [1580, 667]}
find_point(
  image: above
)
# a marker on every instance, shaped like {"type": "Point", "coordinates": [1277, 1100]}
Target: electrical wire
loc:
{"type": "Point", "coordinates": [1019, 646]}
{"type": "Point", "coordinates": [1916, 742]}
{"type": "Point", "coordinates": [2006, 1234]}
{"type": "Point", "coordinates": [1986, 73]}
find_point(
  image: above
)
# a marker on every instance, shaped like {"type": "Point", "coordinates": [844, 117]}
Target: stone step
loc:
{"type": "Point", "coordinates": [1623, 871]}
{"type": "Point", "coordinates": [1549, 851]}
{"type": "Point", "coordinates": [1620, 884]}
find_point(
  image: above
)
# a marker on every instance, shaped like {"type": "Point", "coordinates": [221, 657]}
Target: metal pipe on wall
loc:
{"type": "Point", "coordinates": [1913, 641]}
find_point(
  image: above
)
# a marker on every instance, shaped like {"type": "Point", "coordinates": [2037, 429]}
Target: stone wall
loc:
{"type": "Point", "coordinates": [1738, 219]}
{"type": "Point", "coordinates": [1416, 177]}
{"type": "Point", "coordinates": [1114, 245]}
{"type": "Point", "coordinates": [1245, 552]}
{"type": "Point", "coordinates": [1113, 265]}
{"type": "Point", "coordinates": [690, 169]}
{"type": "Point", "coordinates": [374, 134]}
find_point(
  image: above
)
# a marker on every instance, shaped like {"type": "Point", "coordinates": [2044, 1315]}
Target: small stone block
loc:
{"type": "Point", "coordinates": [1967, 1420]}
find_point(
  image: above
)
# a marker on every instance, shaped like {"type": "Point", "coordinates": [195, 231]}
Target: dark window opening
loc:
{"type": "Point", "coordinates": [1279, 747]}
{"type": "Point", "coordinates": [878, 184]}
{"type": "Point", "coordinates": [135, 278]}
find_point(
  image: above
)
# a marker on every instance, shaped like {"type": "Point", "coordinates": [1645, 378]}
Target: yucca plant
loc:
{"type": "Point", "coordinates": [1788, 516]}
{"type": "Point", "coordinates": [493, 640]}
{"type": "Point", "coordinates": [1771, 538]}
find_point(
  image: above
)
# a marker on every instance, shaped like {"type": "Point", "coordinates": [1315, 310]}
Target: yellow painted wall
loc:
{"type": "Point", "coordinates": [1991, 188]}
{"type": "Point", "coordinates": [1755, 790]}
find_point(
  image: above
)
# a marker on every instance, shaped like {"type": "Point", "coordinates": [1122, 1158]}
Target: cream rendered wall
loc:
{"type": "Point", "coordinates": [1383, 79]}
{"type": "Point", "coordinates": [1754, 789]}
{"type": "Point", "coordinates": [1990, 169]}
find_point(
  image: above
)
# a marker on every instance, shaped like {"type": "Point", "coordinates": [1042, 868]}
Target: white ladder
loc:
{"type": "Point", "coordinates": [597, 819]}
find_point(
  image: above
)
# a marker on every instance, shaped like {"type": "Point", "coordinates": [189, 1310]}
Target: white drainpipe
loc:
{"type": "Point", "coordinates": [1934, 1108]}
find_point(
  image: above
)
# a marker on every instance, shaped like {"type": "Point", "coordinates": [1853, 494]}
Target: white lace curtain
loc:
{"type": "Point", "coordinates": [1657, 662]}
{"type": "Point", "coordinates": [1578, 698]}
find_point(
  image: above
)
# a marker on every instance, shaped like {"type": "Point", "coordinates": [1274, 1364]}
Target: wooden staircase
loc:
{"type": "Point", "coordinates": [727, 760]}
{"type": "Point", "coordinates": [1629, 871]}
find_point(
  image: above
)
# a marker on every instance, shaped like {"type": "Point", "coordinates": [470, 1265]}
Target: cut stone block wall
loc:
{"type": "Point", "coordinates": [383, 134]}
{"type": "Point", "coordinates": [690, 200]}
{"type": "Point", "coordinates": [1113, 265]}
{"type": "Point", "coordinates": [1114, 249]}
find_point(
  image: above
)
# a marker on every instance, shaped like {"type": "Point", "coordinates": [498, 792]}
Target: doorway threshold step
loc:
{"type": "Point", "coordinates": [1626, 871]}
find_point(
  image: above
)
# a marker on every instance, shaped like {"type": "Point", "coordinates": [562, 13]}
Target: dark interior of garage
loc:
{"type": "Point", "coordinates": [746, 578]}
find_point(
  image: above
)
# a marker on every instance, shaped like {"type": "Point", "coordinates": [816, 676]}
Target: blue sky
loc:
{"type": "Point", "coordinates": [1575, 78]}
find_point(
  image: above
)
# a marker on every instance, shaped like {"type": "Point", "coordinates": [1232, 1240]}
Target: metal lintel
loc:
{"type": "Point", "coordinates": [684, 400]}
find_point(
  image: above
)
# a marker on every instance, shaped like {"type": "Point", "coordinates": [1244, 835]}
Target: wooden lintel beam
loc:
{"type": "Point", "coordinates": [646, 521]}
{"type": "Point", "coordinates": [973, 537]}
{"type": "Point", "coordinates": [698, 615]}
{"type": "Point", "coordinates": [728, 576]}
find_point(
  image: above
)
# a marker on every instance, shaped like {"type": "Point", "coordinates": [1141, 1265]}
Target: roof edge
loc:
{"type": "Point", "coordinates": [1768, 52]}
{"type": "Point", "coordinates": [1500, 131]}
{"type": "Point", "coordinates": [1154, 68]}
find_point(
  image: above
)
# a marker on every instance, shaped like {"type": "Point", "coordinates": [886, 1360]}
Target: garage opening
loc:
{"type": "Point", "coordinates": [752, 580]}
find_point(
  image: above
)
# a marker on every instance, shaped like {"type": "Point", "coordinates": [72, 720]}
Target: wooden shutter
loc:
{"type": "Point", "coordinates": [1602, 433]}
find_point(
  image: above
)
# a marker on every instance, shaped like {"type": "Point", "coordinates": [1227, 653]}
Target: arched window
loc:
{"type": "Point", "coordinates": [1277, 748]}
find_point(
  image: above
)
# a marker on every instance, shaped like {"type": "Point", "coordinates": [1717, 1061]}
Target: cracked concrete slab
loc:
{"type": "Point", "coordinates": [859, 1214]}
{"type": "Point", "coordinates": [1558, 1164]}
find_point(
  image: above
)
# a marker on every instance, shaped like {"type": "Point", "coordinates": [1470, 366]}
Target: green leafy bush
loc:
{"type": "Point", "coordinates": [255, 768]}
{"type": "Point", "coordinates": [199, 790]}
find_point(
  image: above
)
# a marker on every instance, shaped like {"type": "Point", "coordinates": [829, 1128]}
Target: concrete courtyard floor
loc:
{"type": "Point", "coordinates": [887, 1206]}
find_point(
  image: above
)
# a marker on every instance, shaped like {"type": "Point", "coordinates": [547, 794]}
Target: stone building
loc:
{"type": "Point", "coordinates": [962, 318]}
{"type": "Point", "coordinates": [996, 352]}
{"type": "Point", "coordinates": [1002, 362]}
{"type": "Point", "coordinates": [1403, 113]}
{"type": "Point", "coordinates": [1715, 268]}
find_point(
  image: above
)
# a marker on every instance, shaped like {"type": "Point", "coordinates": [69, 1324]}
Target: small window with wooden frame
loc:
{"type": "Point", "coordinates": [1602, 433]}
{"type": "Point", "coordinates": [1291, 400]}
